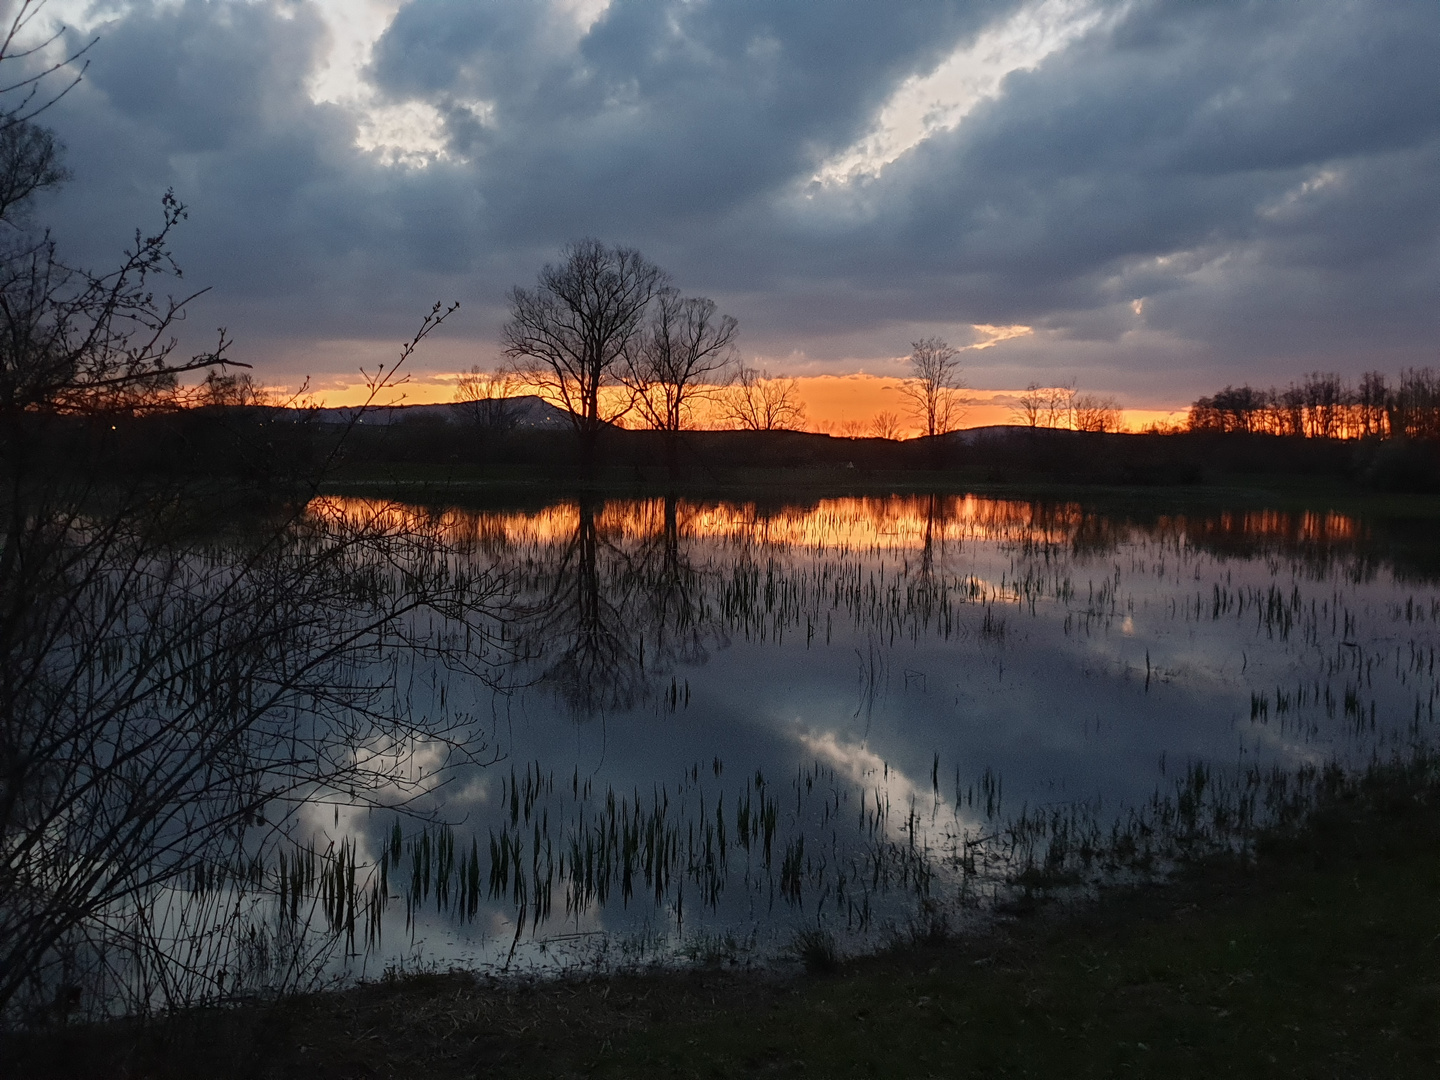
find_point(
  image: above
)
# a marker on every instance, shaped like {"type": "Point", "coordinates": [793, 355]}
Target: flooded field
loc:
{"type": "Point", "coordinates": [624, 732]}
{"type": "Point", "coordinates": [715, 727]}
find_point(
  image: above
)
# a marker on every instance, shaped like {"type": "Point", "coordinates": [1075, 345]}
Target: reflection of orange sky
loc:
{"type": "Point", "coordinates": [886, 523]}
{"type": "Point", "coordinates": [1308, 526]}
{"type": "Point", "coordinates": [845, 524]}
{"type": "Point", "coordinates": [830, 402]}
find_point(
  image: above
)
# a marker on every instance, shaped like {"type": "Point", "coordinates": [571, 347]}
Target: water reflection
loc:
{"type": "Point", "coordinates": [733, 719]}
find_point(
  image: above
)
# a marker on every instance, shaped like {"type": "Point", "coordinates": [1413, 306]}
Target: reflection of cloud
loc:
{"type": "Point", "coordinates": [477, 789]}
{"type": "Point", "coordinates": [870, 772]}
{"type": "Point", "coordinates": [402, 770]}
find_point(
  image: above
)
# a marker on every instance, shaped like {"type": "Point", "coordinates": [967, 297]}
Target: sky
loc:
{"type": "Point", "coordinates": [1148, 198]}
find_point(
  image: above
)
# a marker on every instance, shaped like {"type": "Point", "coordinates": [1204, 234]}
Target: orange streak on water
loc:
{"type": "Point", "coordinates": [836, 525]}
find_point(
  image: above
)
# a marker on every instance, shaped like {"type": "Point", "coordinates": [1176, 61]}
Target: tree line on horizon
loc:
{"type": "Point", "coordinates": [1324, 405]}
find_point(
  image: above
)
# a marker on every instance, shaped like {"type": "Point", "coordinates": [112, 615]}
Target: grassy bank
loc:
{"type": "Point", "coordinates": [1320, 957]}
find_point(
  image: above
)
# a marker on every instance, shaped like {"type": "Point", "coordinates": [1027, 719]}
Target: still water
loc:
{"type": "Point", "coordinates": [714, 724]}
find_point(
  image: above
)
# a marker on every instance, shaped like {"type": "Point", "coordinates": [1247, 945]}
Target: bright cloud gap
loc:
{"type": "Point", "coordinates": [927, 105]}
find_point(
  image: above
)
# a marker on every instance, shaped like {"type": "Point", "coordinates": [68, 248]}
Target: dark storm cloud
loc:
{"type": "Point", "coordinates": [1279, 159]}
{"type": "Point", "coordinates": [675, 111]}
{"type": "Point", "coordinates": [1263, 175]}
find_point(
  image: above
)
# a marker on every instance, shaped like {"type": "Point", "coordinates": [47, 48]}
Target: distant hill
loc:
{"type": "Point", "coordinates": [530, 413]}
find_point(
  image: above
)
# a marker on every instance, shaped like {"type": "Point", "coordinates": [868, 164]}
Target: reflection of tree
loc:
{"type": "Point", "coordinates": [577, 634]}
{"type": "Point", "coordinates": [672, 590]}
{"type": "Point", "coordinates": [934, 513]}
{"type": "Point", "coordinates": [613, 617]}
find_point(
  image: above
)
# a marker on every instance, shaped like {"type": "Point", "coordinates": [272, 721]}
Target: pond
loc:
{"type": "Point", "coordinates": [714, 725]}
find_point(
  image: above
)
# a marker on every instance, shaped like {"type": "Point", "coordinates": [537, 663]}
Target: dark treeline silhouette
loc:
{"type": "Point", "coordinates": [984, 456]}
{"type": "Point", "coordinates": [1326, 406]}
{"type": "Point", "coordinates": [256, 449]}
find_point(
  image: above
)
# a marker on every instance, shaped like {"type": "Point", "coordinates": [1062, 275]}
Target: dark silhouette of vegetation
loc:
{"type": "Point", "coordinates": [603, 335]}
{"type": "Point", "coordinates": [1041, 406]}
{"type": "Point", "coordinates": [487, 401]}
{"type": "Point", "coordinates": [1095, 413]}
{"type": "Point", "coordinates": [1323, 405]}
{"type": "Point", "coordinates": [176, 678]}
{"type": "Point", "coordinates": [572, 335]}
{"type": "Point", "coordinates": [682, 358]}
{"type": "Point", "coordinates": [935, 387]}
{"type": "Point", "coordinates": [759, 401]}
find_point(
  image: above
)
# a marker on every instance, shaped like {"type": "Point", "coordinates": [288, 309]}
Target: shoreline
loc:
{"type": "Point", "coordinates": [1316, 956]}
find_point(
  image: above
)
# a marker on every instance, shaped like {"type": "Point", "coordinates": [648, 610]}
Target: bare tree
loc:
{"type": "Point", "coordinates": [1030, 406]}
{"type": "Point", "coordinates": [1234, 409]}
{"type": "Point", "coordinates": [486, 399]}
{"type": "Point", "coordinates": [169, 696]}
{"type": "Point", "coordinates": [226, 390]}
{"type": "Point", "coordinates": [29, 162]}
{"type": "Point", "coordinates": [570, 335]}
{"type": "Point", "coordinates": [758, 401]}
{"type": "Point", "coordinates": [885, 425]}
{"type": "Point", "coordinates": [1327, 402]}
{"type": "Point", "coordinates": [683, 357]}
{"type": "Point", "coordinates": [1060, 406]}
{"type": "Point", "coordinates": [1045, 406]}
{"type": "Point", "coordinates": [29, 156]}
{"type": "Point", "coordinates": [1370, 401]}
{"type": "Point", "coordinates": [1414, 411]}
{"type": "Point", "coordinates": [1094, 413]}
{"type": "Point", "coordinates": [935, 388]}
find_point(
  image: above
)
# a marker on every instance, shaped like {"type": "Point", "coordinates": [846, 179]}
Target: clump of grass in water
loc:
{"type": "Point", "coordinates": [930, 925]}
{"type": "Point", "coordinates": [814, 947]}
{"type": "Point", "coordinates": [713, 950]}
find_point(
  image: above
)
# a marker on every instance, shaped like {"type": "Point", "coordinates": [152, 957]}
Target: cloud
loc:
{"type": "Point", "coordinates": [1170, 194]}
{"type": "Point", "coordinates": [925, 105]}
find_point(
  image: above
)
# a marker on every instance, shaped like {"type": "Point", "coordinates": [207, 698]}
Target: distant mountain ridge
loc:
{"type": "Point", "coordinates": [528, 412]}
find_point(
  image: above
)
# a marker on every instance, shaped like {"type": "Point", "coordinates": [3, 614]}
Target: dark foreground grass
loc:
{"type": "Point", "coordinates": [1321, 958]}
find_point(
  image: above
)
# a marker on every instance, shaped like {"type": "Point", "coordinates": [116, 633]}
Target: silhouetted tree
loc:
{"type": "Point", "coordinates": [1232, 409]}
{"type": "Point", "coordinates": [758, 401]}
{"type": "Point", "coordinates": [1093, 413]}
{"type": "Point", "coordinates": [168, 698]}
{"type": "Point", "coordinates": [487, 401]}
{"type": "Point", "coordinates": [885, 425]}
{"type": "Point", "coordinates": [1045, 406]}
{"type": "Point", "coordinates": [1323, 405]}
{"type": "Point", "coordinates": [571, 335]}
{"type": "Point", "coordinates": [682, 357]}
{"type": "Point", "coordinates": [226, 390]}
{"type": "Point", "coordinates": [935, 387]}
{"type": "Point", "coordinates": [1415, 405]}
{"type": "Point", "coordinates": [1371, 400]}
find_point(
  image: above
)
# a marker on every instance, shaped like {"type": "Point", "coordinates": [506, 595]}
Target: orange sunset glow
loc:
{"type": "Point", "coordinates": [834, 404]}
